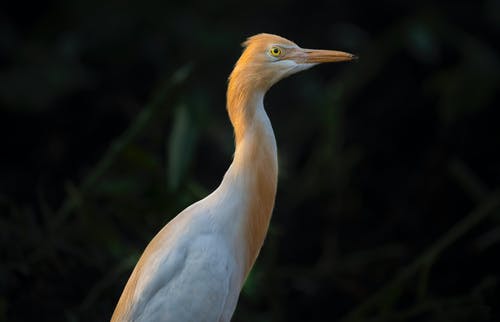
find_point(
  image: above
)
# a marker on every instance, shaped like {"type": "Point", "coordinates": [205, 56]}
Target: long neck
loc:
{"type": "Point", "coordinates": [255, 164]}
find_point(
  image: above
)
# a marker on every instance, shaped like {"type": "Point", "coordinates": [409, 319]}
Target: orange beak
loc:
{"type": "Point", "coordinates": [318, 56]}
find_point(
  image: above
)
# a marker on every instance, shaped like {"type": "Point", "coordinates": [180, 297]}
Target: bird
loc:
{"type": "Point", "coordinates": [195, 267]}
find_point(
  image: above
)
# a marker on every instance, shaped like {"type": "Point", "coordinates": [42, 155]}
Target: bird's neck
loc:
{"type": "Point", "coordinates": [254, 170]}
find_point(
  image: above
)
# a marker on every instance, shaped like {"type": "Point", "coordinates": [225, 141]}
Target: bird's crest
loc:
{"type": "Point", "coordinates": [267, 38]}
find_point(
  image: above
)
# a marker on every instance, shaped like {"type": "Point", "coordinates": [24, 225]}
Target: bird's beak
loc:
{"type": "Point", "coordinates": [318, 56]}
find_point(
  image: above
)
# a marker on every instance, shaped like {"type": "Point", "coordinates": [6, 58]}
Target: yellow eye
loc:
{"type": "Point", "coordinates": [275, 51]}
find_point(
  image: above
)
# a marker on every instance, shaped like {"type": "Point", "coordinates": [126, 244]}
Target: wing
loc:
{"type": "Point", "coordinates": [182, 276]}
{"type": "Point", "coordinates": [196, 291]}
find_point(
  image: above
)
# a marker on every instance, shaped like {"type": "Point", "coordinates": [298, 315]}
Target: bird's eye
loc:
{"type": "Point", "coordinates": [275, 51]}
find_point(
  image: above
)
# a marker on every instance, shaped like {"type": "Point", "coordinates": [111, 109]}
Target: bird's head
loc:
{"type": "Point", "coordinates": [269, 58]}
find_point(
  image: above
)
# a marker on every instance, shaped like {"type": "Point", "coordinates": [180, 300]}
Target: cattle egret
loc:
{"type": "Point", "coordinates": [195, 267]}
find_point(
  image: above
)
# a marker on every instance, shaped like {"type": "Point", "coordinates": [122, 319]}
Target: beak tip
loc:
{"type": "Point", "coordinates": [354, 57]}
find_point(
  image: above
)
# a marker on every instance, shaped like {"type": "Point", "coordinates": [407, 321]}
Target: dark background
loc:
{"type": "Point", "coordinates": [113, 120]}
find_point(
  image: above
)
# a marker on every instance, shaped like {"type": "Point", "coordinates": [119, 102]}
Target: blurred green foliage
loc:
{"type": "Point", "coordinates": [113, 120]}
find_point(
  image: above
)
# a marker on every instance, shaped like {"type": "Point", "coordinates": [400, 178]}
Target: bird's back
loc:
{"type": "Point", "coordinates": [187, 273]}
